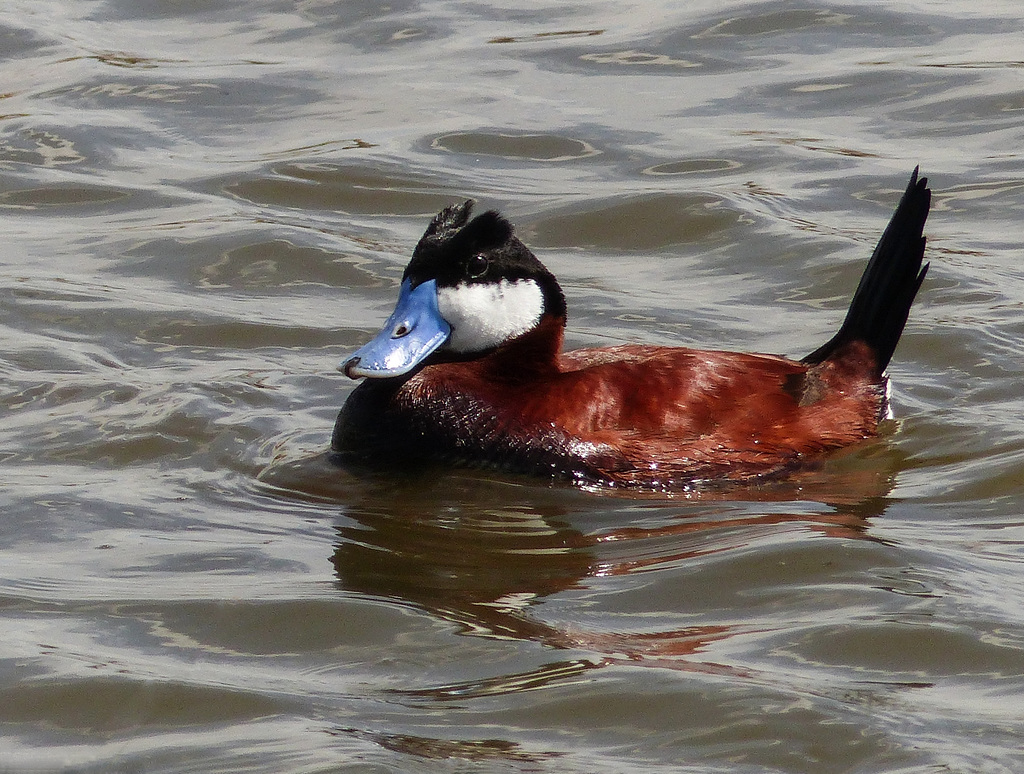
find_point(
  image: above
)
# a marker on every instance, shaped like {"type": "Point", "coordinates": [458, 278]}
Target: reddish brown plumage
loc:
{"type": "Point", "coordinates": [636, 415]}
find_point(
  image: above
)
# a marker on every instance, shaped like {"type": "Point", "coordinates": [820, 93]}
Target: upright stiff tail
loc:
{"type": "Point", "coordinates": [881, 305]}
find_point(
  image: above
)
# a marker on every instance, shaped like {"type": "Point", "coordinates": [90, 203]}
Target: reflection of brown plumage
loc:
{"type": "Point", "coordinates": [446, 548]}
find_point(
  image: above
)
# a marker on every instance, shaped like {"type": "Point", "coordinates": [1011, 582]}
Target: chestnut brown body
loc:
{"type": "Point", "coordinates": [647, 416]}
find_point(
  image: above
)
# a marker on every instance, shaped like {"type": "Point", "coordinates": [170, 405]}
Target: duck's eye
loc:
{"type": "Point", "coordinates": [476, 267]}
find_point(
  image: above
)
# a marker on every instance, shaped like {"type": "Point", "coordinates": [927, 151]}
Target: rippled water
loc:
{"type": "Point", "coordinates": [207, 203]}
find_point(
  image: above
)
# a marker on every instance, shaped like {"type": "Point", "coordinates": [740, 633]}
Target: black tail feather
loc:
{"type": "Point", "coordinates": [881, 305]}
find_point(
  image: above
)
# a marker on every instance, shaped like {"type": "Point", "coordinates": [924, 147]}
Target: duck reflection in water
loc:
{"type": "Point", "coordinates": [497, 558]}
{"type": "Point", "coordinates": [484, 554]}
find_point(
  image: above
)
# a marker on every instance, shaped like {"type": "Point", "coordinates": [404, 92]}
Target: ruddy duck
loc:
{"type": "Point", "coordinates": [469, 370]}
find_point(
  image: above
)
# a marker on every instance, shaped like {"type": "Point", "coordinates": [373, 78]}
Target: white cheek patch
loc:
{"type": "Point", "coordinates": [482, 316]}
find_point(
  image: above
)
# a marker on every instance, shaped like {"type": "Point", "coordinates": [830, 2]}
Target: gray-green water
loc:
{"type": "Point", "coordinates": [205, 204]}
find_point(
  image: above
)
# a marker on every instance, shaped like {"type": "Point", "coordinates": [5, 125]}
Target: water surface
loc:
{"type": "Point", "coordinates": [207, 203]}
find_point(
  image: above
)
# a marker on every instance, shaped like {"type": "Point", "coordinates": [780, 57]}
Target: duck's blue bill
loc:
{"type": "Point", "coordinates": [413, 331]}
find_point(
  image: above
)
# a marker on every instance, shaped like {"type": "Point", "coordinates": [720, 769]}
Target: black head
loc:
{"type": "Point", "coordinates": [470, 288]}
{"type": "Point", "coordinates": [455, 250]}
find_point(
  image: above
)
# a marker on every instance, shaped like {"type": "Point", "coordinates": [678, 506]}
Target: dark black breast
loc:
{"type": "Point", "coordinates": [391, 423]}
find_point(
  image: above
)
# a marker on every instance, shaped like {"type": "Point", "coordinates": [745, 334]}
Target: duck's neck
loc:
{"type": "Point", "coordinates": [534, 353]}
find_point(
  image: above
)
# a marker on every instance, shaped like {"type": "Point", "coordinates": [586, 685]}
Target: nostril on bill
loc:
{"type": "Point", "coordinates": [348, 365]}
